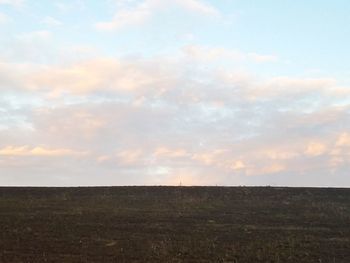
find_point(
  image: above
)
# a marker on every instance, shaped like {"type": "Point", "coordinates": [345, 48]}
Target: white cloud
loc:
{"type": "Point", "coordinates": [198, 6]}
{"type": "Point", "coordinates": [209, 54]}
{"type": "Point", "coordinates": [69, 6]}
{"type": "Point", "coordinates": [34, 35]}
{"type": "Point", "coordinates": [141, 12]}
{"type": "Point", "coordinates": [3, 18]}
{"type": "Point", "coordinates": [51, 21]}
{"type": "Point", "coordinates": [262, 58]}
{"type": "Point", "coordinates": [148, 121]}
{"type": "Point", "coordinates": [29, 47]}
{"type": "Point", "coordinates": [16, 3]}
{"type": "Point", "coordinates": [127, 17]}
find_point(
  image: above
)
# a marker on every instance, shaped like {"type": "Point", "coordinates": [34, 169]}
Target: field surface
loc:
{"type": "Point", "coordinates": [174, 224]}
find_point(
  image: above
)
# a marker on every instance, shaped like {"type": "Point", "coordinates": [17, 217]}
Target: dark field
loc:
{"type": "Point", "coordinates": [174, 224]}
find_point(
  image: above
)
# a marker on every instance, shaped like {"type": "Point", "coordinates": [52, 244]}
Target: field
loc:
{"type": "Point", "coordinates": [174, 224]}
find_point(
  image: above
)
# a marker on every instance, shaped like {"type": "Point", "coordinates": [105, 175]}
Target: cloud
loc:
{"type": "Point", "coordinates": [41, 47]}
{"type": "Point", "coordinates": [156, 121]}
{"type": "Point", "coordinates": [93, 76]}
{"type": "Point", "coordinates": [34, 35]}
{"type": "Point", "coordinates": [51, 21]}
{"type": "Point", "coordinates": [74, 113]}
{"type": "Point", "coordinates": [343, 140]}
{"type": "Point", "coordinates": [164, 152]}
{"type": "Point", "coordinates": [15, 3]}
{"type": "Point", "coordinates": [29, 47]}
{"type": "Point", "coordinates": [262, 58]}
{"type": "Point", "coordinates": [37, 151]}
{"type": "Point", "coordinates": [209, 54]}
{"type": "Point", "coordinates": [315, 149]}
{"type": "Point", "coordinates": [129, 157]}
{"type": "Point", "coordinates": [198, 6]}
{"type": "Point", "coordinates": [3, 18]}
{"type": "Point", "coordinates": [70, 6]}
{"type": "Point", "coordinates": [143, 11]}
{"type": "Point", "coordinates": [127, 17]}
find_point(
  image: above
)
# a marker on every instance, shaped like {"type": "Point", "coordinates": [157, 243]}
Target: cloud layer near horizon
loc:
{"type": "Point", "coordinates": [165, 123]}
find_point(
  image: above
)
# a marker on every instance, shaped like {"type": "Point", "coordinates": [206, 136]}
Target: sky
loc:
{"type": "Point", "coordinates": [170, 92]}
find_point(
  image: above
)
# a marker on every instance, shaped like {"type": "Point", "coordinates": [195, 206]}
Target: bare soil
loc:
{"type": "Point", "coordinates": [174, 224]}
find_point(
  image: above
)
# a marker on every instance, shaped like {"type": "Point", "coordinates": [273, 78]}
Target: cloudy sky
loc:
{"type": "Point", "coordinates": [163, 92]}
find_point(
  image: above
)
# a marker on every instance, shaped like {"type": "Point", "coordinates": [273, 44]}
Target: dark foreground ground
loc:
{"type": "Point", "coordinates": [174, 224]}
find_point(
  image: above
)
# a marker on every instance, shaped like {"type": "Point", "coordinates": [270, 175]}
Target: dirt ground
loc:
{"type": "Point", "coordinates": [174, 224]}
